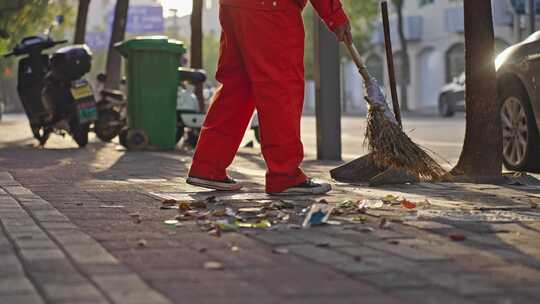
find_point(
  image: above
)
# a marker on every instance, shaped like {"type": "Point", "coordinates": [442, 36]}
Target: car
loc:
{"type": "Point", "coordinates": [518, 71]}
{"type": "Point", "coordinates": [452, 97]}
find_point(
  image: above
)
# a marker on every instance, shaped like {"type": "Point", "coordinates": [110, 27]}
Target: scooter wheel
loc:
{"type": "Point", "coordinates": [108, 125]}
{"type": "Point", "coordinates": [122, 137]}
{"type": "Point", "coordinates": [193, 137]}
{"type": "Point", "coordinates": [137, 140]}
{"type": "Point", "coordinates": [80, 135]}
{"type": "Point", "coordinates": [257, 132]}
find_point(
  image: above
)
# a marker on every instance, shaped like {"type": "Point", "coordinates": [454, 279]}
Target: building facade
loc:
{"type": "Point", "coordinates": [434, 31]}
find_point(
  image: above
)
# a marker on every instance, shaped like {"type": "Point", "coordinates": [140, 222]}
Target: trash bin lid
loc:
{"type": "Point", "coordinates": [150, 43]}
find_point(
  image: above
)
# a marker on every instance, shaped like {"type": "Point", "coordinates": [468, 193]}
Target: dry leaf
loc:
{"type": "Point", "coordinates": [408, 204]}
{"type": "Point", "coordinates": [212, 265]}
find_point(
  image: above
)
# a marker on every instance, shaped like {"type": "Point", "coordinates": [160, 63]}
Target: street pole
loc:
{"type": "Point", "coordinates": [532, 16]}
{"type": "Point", "coordinates": [328, 96]}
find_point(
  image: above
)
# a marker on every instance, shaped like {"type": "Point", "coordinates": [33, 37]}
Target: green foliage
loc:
{"type": "Point", "coordinates": [210, 55]}
{"type": "Point", "coordinates": [21, 18]}
{"type": "Point", "coordinates": [361, 15]}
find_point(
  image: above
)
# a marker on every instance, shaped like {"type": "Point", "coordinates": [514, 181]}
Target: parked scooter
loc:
{"type": "Point", "coordinates": [112, 111]}
{"type": "Point", "coordinates": [190, 118]}
{"type": "Point", "coordinates": [55, 95]}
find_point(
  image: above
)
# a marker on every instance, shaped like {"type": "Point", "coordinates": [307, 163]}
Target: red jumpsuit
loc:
{"type": "Point", "coordinates": [261, 66]}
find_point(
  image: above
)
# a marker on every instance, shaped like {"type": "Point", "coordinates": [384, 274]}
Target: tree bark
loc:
{"type": "Point", "coordinates": [114, 60]}
{"type": "Point", "coordinates": [196, 46]}
{"type": "Point", "coordinates": [481, 156]}
{"type": "Point", "coordinates": [80, 27]}
{"type": "Point", "coordinates": [405, 64]}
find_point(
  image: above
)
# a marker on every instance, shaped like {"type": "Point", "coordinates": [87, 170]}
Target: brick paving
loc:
{"type": "Point", "coordinates": [68, 236]}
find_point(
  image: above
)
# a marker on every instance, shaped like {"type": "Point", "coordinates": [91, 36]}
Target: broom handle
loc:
{"type": "Point", "coordinates": [390, 61]}
{"type": "Point", "coordinates": [358, 61]}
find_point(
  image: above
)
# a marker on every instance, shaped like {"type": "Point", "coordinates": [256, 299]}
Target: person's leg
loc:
{"type": "Point", "coordinates": [229, 114]}
{"type": "Point", "coordinates": [272, 44]}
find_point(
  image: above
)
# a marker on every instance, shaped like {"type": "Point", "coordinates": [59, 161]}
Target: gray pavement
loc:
{"type": "Point", "coordinates": [75, 209]}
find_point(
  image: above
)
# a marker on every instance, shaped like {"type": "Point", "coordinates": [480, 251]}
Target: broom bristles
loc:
{"type": "Point", "coordinates": [391, 147]}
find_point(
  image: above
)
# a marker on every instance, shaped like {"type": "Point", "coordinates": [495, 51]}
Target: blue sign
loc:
{"type": "Point", "coordinates": [98, 41]}
{"type": "Point", "coordinates": [142, 19]}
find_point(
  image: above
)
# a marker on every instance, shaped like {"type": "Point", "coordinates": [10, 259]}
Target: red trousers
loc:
{"type": "Point", "coordinates": [261, 66]}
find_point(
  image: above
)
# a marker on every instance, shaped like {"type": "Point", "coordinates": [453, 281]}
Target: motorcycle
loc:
{"type": "Point", "coordinates": [54, 93]}
{"type": "Point", "coordinates": [190, 117]}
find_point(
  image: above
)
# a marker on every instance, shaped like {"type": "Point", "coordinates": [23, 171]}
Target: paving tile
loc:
{"type": "Point", "coordinates": [42, 254]}
{"type": "Point", "coordinates": [430, 296]}
{"type": "Point", "coordinates": [64, 292]}
{"type": "Point", "coordinates": [21, 299]}
{"type": "Point", "coordinates": [89, 253]}
{"type": "Point", "coordinates": [15, 285]}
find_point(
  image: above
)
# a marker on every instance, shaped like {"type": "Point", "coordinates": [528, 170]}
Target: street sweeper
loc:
{"type": "Point", "coordinates": [261, 66]}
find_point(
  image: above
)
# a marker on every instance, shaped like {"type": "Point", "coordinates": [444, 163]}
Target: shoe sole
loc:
{"type": "Point", "coordinates": [313, 191]}
{"type": "Point", "coordinates": [212, 184]}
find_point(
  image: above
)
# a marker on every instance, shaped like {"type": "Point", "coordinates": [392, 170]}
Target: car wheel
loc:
{"type": "Point", "coordinates": [520, 134]}
{"type": "Point", "coordinates": [445, 108]}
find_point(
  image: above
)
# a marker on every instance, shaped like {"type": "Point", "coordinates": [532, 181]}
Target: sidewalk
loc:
{"type": "Point", "coordinates": [85, 226]}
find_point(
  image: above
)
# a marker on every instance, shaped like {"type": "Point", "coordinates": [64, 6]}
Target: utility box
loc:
{"type": "Point", "coordinates": [152, 84]}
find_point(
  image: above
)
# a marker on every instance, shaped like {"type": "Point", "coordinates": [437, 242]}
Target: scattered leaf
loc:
{"type": "Point", "coordinates": [333, 223]}
{"type": "Point", "coordinates": [370, 204]}
{"type": "Point", "coordinates": [141, 243]}
{"type": "Point", "coordinates": [250, 210]}
{"type": "Point", "coordinates": [171, 223]}
{"type": "Point", "coordinates": [199, 205]}
{"type": "Point", "coordinates": [457, 237]}
{"type": "Point", "coordinates": [215, 232]}
{"type": "Point", "coordinates": [259, 225]}
{"type": "Point", "coordinates": [384, 223]}
{"type": "Point", "coordinates": [235, 249]}
{"type": "Point", "coordinates": [408, 204]}
{"type": "Point", "coordinates": [183, 206]}
{"type": "Point", "coordinates": [168, 202]}
{"type": "Point", "coordinates": [211, 200]}
{"type": "Point", "coordinates": [136, 217]}
{"type": "Point", "coordinates": [393, 242]}
{"type": "Point", "coordinates": [366, 229]}
{"type": "Point", "coordinates": [323, 244]}
{"type": "Point", "coordinates": [361, 219]}
{"type": "Point", "coordinates": [280, 250]}
{"type": "Point", "coordinates": [212, 265]}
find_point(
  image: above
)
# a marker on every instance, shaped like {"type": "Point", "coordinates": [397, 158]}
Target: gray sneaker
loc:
{"type": "Point", "coordinates": [228, 184]}
{"type": "Point", "coordinates": [308, 187]}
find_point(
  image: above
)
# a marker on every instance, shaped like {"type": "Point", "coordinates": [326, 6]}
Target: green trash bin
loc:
{"type": "Point", "coordinates": [152, 82]}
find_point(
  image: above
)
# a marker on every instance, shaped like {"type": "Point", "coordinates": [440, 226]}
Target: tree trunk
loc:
{"type": "Point", "coordinates": [481, 156]}
{"type": "Point", "coordinates": [114, 60]}
{"type": "Point", "coordinates": [196, 46]}
{"type": "Point", "coordinates": [80, 27]}
{"type": "Point", "coordinates": [405, 65]}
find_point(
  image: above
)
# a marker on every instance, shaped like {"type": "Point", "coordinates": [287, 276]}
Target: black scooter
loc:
{"type": "Point", "coordinates": [55, 95]}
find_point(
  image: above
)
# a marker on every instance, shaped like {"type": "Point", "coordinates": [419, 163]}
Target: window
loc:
{"type": "Point", "coordinates": [398, 67]}
{"type": "Point", "coordinates": [455, 61]}
{"type": "Point", "coordinates": [425, 2]}
{"type": "Point", "coordinates": [375, 66]}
